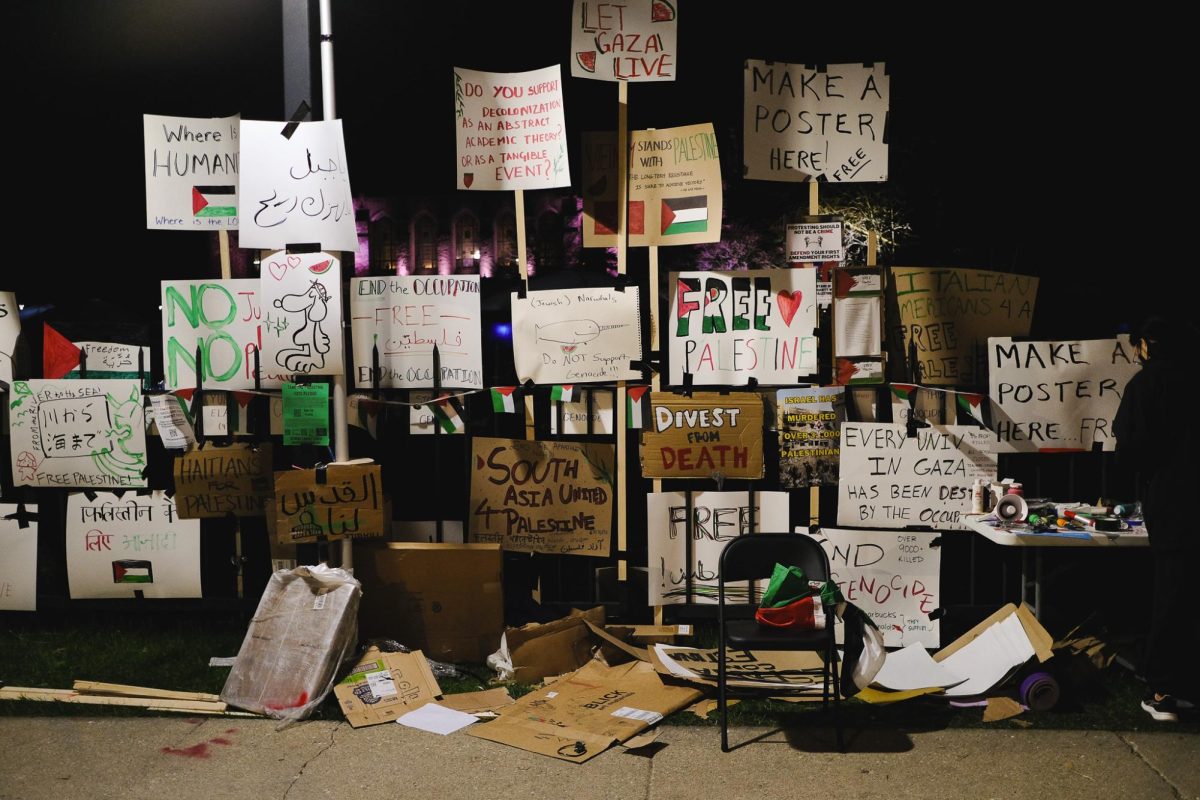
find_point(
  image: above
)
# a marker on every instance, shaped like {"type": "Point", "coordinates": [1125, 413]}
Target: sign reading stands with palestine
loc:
{"type": "Point", "coordinates": [633, 41]}
{"type": "Point", "coordinates": [694, 437]}
{"type": "Point", "coordinates": [542, 497]}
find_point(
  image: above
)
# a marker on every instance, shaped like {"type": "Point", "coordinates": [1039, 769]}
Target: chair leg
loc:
{"type": "Point", "coordinates": [721, 700]}
{"type": "Point", "coordinates": [837, 705]}
{"type": "Point", "coordinates": [825, 684]}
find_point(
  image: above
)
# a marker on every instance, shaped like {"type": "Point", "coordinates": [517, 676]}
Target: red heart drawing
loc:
{"type": "Point", "coordinates": [277, 270]}
{"type": "Point", "coordinates": [789, 304]}
{"type": "Point", "coordinates": [293, 261]}
{"type": "Point", "coordinates": [468, 179]}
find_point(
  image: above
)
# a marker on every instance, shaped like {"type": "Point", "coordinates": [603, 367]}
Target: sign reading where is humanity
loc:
{"type": "Point", "coordinates": [809, 426]}
{"type": "Point", "coordinates": [633, 40]}
{"type": "Point", "coordinates": [191, 172]}
{"type": "Point", "coordinates": [18, 567]}
{"type": "Point", "coordinates": [542, 497]}
{"type": "Point", "coordinates": [339, 501]}
{"type": "Point", "coordinates": [511, 131]}
{"type": "Point", "coordinates": [215, 481]}
{"type": "Point", "coordinates": [801, 123]}
{"type": "Point", "coordinates": [948, 314]}
{"type": "Point", "coordinates": [405, 317]}
{"type": "Point", "coordinates": [703, 435]}
{"type": "Point", "coordinates": [577, 335]}
{"type": "Point", "coordinates": [302, 313]}
{"type": "Point", "coordinates": [728, 327]}
{"type": "Point", "coordinates": [77, 433]}
{"type": "Point", "coordinates": [1062, 395]}
{"type": "Point", "coordinates": [892, 480]}
{"type": "Point", "coordinates": [717, 518]}
{"type": "Point", "coordinates": [295, 189]}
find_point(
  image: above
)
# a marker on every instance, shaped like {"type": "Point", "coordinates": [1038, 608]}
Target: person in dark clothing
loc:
{"type": "Point", "coordinates": [1157, 437]}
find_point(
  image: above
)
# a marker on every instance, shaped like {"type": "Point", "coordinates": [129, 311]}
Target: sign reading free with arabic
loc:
{"type": "Point", "coordinates": [338, 502]}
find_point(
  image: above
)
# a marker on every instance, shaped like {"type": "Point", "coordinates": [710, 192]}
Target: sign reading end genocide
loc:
{"type": "Point", "coordinates": [695, 437]}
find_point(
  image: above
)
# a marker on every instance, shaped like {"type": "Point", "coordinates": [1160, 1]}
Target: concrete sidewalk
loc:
{"type": "Point", "coordinates": [179, 759]}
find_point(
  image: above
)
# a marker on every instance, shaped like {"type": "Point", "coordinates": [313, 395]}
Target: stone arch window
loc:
{"type": "Point", "coordinates": [550, 251]}
{"type": "Point", "coordinates": [466, 242]}
{"type": "Point", "coordinates": [504, 231]}
{"type": "Point", "coordinates": [424, 244]}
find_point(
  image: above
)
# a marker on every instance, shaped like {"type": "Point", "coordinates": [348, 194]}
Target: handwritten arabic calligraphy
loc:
{"type": "Point", "coordinates": [339, 502]}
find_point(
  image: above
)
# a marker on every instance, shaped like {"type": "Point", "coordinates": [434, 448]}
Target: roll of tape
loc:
{"type": "Point", "coordinates": [1040, 691]}
{"type": "Point", "coordinates": [1012, 508]}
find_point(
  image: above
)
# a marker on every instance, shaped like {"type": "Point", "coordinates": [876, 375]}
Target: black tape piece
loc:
{"type": "Point", "coordinates": [169, 494]}
{"type": "Point", "coordinates": [213, 190]}
{"type": "Point", "coordinates": [687, 384]}
{"type": "Point", "coordinates": [138, 594]}
{"type": "Point", "coordinates": [752, 382]}
{"type": "Point", "coordinates": [326, 37]}
{"type": "Point", "coordinates": [523, 290]}
{"type": "Point", "coordinates": [528, 385]}
{"type": "Point", "coordinates": [146, 492]}
{"type": "Point", "coordinates": [621, 282]}
{"type": "Point", "coordinates": [814, 529]}
{"type": "Point", "coordinates": [822, 178]}
{"type": "Point", "coordinates": [302, 112]}
{"type": "Point", "coordinates": [887, 117]}
{"type": "Point", "coordinates": [22, 515]}
{"type": "Point", "coordinates": [117, 493]}
{"type": "Point", "coordinates": [868, 65]}
{"type": "Point", "coordinates": [4, 386]}
{"type": "Point", "coordinates": [322, 476]}
{"type": "Point", "coordinates": [937, 542]}
{"type": "Point", "coordinates": [937, 613]}
{"type": "Point", "coordinates": [90, 495]}
{"type": "Point", "coordinates": [303, 247]}
{"type": "Point", "coordinates": [1097, 447]}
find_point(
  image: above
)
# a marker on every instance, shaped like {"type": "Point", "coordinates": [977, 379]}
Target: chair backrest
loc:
{"type": "Point", "coordinates": [754, 555]}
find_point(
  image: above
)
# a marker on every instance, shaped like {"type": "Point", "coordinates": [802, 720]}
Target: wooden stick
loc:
{"type": "Point", "coordinates": [56, 695]}
{"type": "Point", "coordinates": [872, 248]}
{"type": "Point", "coordinates": [522, 263]}
{"type": "Point", "coordinates": [622, 269]}
{"type": "Point", "coordinates": [813, 205]}
{"type": "Point", "coordinates": [125, 690]}
{"type": "Point", "coordinates": [814, 492]}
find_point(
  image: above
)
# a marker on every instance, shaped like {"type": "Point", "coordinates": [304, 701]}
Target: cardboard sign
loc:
{"type": "Point", "coordinates": [818, 239]}
{"type": "Point", "coordinates": [1056, 396]}
{"type": "Point", "coordinates": [891, 480]}
{"type": "Point", "coordinates": [728, 327]}
{"type": "Point", "coordinates": [18, 563]}
{"type": "Point", "coordinates": [74, 433]}
{"type": "Point", "coordinates": [717, 518]}
{"type": "Point", "coordinates": [511, 132]}
{"type": "Point", "coordinates": [707, 433]}
{"type": "Point", "coordinates": [216, 481]}
{"type": "Point", "coordinates": [405, 317]}
{"type": "Point", "coordinates": [191, 172]}
{"type": "Point", "coordinates": [809, 424]}
{"type": "Point", "coordinates": [306, 413]}
{"type": "Point", "coordinates": [342, 501]}
{"type": "Point", "coordinates": [791, 669]}
{"type": "Point", "coordinates": [894, 577]}
{"type": "Point", "coordinates": [576, 335]}
{"type": "Point", "coordinates": [631, 41]}
{"type": "Point", "coordinates": [112, 360]}
{"type": "Point", "coordinates": [295, 189]}
{"type": "Point", "coordinates": [802, 123]}
{"type": "Point", "coordinates": [302, 314]}
{"type": "Point", "coordinates": [382, 686]}
{"type": "Point", "coordinates": [119, 545]}
{"type": "Point", "coordinates": [575, 414]}
{"type": "Point", "coordinates": [10, 329]}
{"type": "Point", "coordinates": [949, 314]}
{"type": "Point", "coordinates": [925, 405]}
{"type": "Point", "coordinates": [542, 497]}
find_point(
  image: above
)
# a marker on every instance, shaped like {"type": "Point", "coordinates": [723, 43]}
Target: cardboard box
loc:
{"type": "Point", "coordinates": [446, 599]}
{"type": "Point", "coordinates": [382, 686]}
{"type": "Point", "coordinates": [538, 651]}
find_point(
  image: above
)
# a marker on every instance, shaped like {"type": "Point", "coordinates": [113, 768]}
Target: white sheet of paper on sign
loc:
{"type": "Point", "coordinates": [571, 336]}
{"type": "Point", "coordinates": [191, 172]}
{"type": "Point", "coordinates": [10, 329]}
{"type": "Point", "coordinates": [913, 668]}
{"type": "Point", "coordinates": [18, 557]}
{"type": "Point", "coordinates": [633, 41]}
{"type": "Point", "coordinates": [302, 313]}
{"type": "Point", "coordinates": [857, 329]}
{"type": "Point", "coordinates": [295, 190]}
{"type": "Point", "coordinates": [112, 360]}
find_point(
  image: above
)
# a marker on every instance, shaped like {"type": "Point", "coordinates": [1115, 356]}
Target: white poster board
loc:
{"type": "Point", "coordinates": [77, 433]}
{"type": "Point", "coordinates": [575, 414]}
{"type": "Point", "coordinates": [1056, 396]}
{"type": "Point", "coordinates": [10, 329]}
{"type": "Point", "coordinates": [717, 518]}
{"type": "Point", "coordinates": [112, 360]}
{"type": "Point", "coordinates": [302, 313]}
{"type": "Point", "coordinates": [576, 335]}
{"type": "Point", "coordinates": [829, 121]}
{"type": "Point", "coordinates": [406, 316]}
{"type": "Point", "coordinates": [18, 558]}
{"type": "Point", "coordinates": [511, 132]}
{"type": "Point", "coordinates": [295, 190]}
{"type": "Point", "coordinates": [191, 172]}
{"type": "Point", "coordinates": [815, 241]}
{"type": "Point", "coordinates": [728, 327]}
{"type": "Point", "coordinates": [891, 480]}
{"type": "Point", "coordinates": [119, 545]}
{"type": "Point", "coordinates": [629, 41]}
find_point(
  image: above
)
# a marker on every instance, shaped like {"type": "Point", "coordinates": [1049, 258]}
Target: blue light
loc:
{"type": "Point", "coordinates": [502, 330]}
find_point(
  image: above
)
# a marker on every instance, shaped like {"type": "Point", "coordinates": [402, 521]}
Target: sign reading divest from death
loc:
{"type": "Point", "coordinates": [809, 425]}
{"type": "Point", "coordinates": [1063, 395]}
{"type": "Point", "coordinates": [576, 335]}
{"type": "Point", "coordinates": [894, 577]}
{"type": "Point", "coordinates": [405, 317]}
{"type": "Point", "coordinates": [633, 40]}
{"type": "Point", "coordinates": [728, 327]}
{"type": "Point", "coordinates": [342, 501]}
{"type": "Point", "coordinates": [215, 481]}
{"type": "Point", "coordinates": [891, 480]}
{"type": "Point", "coordinates": [511, 130]}
{"type": "Point", "coordinates": [948, 314]}
{"type": "Point", "coordinates": [802, 123]}
{"type": "Point", "coordinates": [191, 172]}
{"type": "Point", "coordinates": [707, 433]}
{"type": "Point", "coordinates": [542, 497]}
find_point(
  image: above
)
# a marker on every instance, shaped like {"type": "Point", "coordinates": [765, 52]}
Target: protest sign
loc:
{"type": "Point", "coordinates": [306, 413]}
{"type": "Point", "coordinates": [191, 172]}
{"type": "Point", "coordinates": [634, 40]}
{"type": "Point", "coordinates": [302, 319]}
{"type": "Point", "coordinates": [858, 326]}
{"type": "Point", "coordinates": [809, 423]}
{"type": "Point", "coordinates": [818, 240]}
{"type": "Point", "coordinates": [18, 564]}
{"type": "Point", "coordinates": [703, 435]}
{"type": "Point", "coordinates": [10, 329]}
{"type": "Point", "coordinates": [575, 413]}
{"type": "Point", "coordinates": [215, 481]}
{"type": "Point", "coordinates": [112, 360]}
{"type": "Point", "coordinates": [339, 501]}
{"type": "Point", "coordinates": [576, 335]}
{"type": "Point", "coordinates": [925, 405]}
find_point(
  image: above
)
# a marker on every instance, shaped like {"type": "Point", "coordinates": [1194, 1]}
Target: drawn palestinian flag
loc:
{"type": "Point", "coordinates": [633, 397]}
{"type": "Point", "coordinates": [684, 215]}
{"type": "Point", "coordinates": [214, 201]}
{"type": "Point", "coordinates": [132, 570]}
{"type": "Point", "coordinates": [446, 415]}
{"type": "Point", "coordinates": [972, 406]}
{"type": "Point", "coordinates": [502, 399]}
{"type": "Point", "coordinates": [562, 393]}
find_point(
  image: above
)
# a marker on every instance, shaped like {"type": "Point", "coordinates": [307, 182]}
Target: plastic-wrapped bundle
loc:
{"type": "Point", "coordinates": [304, 628]}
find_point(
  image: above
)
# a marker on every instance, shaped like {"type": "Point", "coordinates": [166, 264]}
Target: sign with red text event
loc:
{"type": "Point", "coordinates": [707, 433]}
{"type": "Point", "coordinates": [302, 314]}
{"type": "Point", "coordinates": [802, 123]}
{"type": "Point", "coordinates": [728, 327]}
{"type": "Point", "coordinates": [629, 41]}
{"type": "Point", "coordinates": [511, 131]}
{"type": "Point", "coordinates": [191, 173]}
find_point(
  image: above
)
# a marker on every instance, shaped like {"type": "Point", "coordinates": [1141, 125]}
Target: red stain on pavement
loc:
{"type": "Point", "coordinates": [231, 730]}
{"type": "Point", "coordinates": [220, 740]}
{"type": "Point", "coordinates": [195, 751]}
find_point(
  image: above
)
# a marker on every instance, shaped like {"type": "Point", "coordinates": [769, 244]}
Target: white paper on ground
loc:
{"type": "Point", "coordinates": [436, 719]}
{"type": "Point", "coordinates": [649, 717]}
{"type": "Point", "coordinates": [990, 657]}
{"type": "Point", "coordinates": [913, 668]}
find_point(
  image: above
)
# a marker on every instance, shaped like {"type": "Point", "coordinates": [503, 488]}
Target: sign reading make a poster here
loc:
{"type": "Point", "coordinates": [191, 172]}
{"type": "Point", "coordinates": [707, 433]}
{"type": "Point", "coordinates": [632, 41]}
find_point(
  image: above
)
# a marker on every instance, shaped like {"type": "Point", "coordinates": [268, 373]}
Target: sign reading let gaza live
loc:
{"type": "Point", "coordinates": [693, 437]}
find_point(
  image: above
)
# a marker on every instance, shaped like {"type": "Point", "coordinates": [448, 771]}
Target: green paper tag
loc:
{"type": "Point", "coordinates": [306, 413]}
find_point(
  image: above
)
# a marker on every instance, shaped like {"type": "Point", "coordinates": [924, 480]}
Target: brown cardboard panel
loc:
{"type": "Point", "coordinates": [341, 501]}
{"type": "Point", "coordinates": [540, 650]}
{"type": "Point", "coordinates": [693, 437]}
{"type": "Point", "coordinates": [215, 481]}
{"type": "Point", "coordinates": [382, 686]}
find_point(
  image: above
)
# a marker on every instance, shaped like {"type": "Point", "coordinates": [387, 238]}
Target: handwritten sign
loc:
{"type": "Point", "coordinates": [118, 545]}
{"type": "Point", "coordinates": [112, 360]}
{"type": "Point", "coordinates": [575, 414]}
{"type": "Point", "coordinates": [816, 240]}
{"type": "Point", "coordinates": [302, 313]}
{"type": "Point", "coordinates": [576, 335]}
{"type": "Point", "coordinates": [803, 123]}
{"type": "Point", "coordinates": [707, 433]}
{"type": "Point", "coordinates": [339, 502]}
{"type": "Point", "coordinates": [18, 564]}
{"type": "Point", "coordinates": [1060, 395]}
{"type": "Point", "coordinates": [215, 481]}
{"type": "Point", "coordinates": [75, 433]}
{"type": "Point", "coordinates": [10, 329]}
{"type": "Point", "coordinates": [405, 317]}
{"type": "Point", "coordinates": [306, 413]}
{"type": "Point", "coordinates": [191, 172]}
{"type": "Point", "coordinates": [924, 405]}
{"type": "Point", "coordinates": [949, 314]}
{"type": "Point", "coordinates": [511, 129]}
{"type": "Point", "coordinates": [632, 41]}
{"type": "Point", "coordinates": [894, 577]}
{"type": "Point", "coordinates": [726, 328]}
{"type": "Point", "coordinates": [717, 518]}
{"type": "Point", "coordinates": [891, 480]}
{"type": "Point", "coordinates": [295, 190]}
{"type": "Point", "coordinates": [809, 424]}
{"type": "Point", "coordinates": [542, 497]}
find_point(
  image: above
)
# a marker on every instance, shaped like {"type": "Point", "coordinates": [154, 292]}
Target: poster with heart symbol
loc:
{"type": "Point", "coordinates": [728, 327]}
{"type": "Point", "coordinates": [302, 313]}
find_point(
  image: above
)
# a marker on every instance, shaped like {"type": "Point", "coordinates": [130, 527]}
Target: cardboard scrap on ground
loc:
{"type": "Point", "coordinates": [538, 650]}
{"type": "Point", "coordinates": [384, 686]}
{"type": "Point", "coordinates": [999, 708]}
{"type": "Point", "coordinates": [760, 669]}
{"type": "Point", "coordinates": [478, 702]}
{"type": "Point", "coordinates": [1095, 650]}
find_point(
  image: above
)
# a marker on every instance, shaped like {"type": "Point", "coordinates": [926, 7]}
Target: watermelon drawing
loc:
{"type": "Point", "coordinates": [322, 267]}
{"type": "Point", "coordinates": [587, 60]}
{"type": "Point", "coordinates": [662, 11]}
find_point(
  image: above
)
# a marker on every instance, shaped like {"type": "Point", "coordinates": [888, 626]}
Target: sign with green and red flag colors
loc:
{"type": "Point", "coordinates": [191, 172]}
